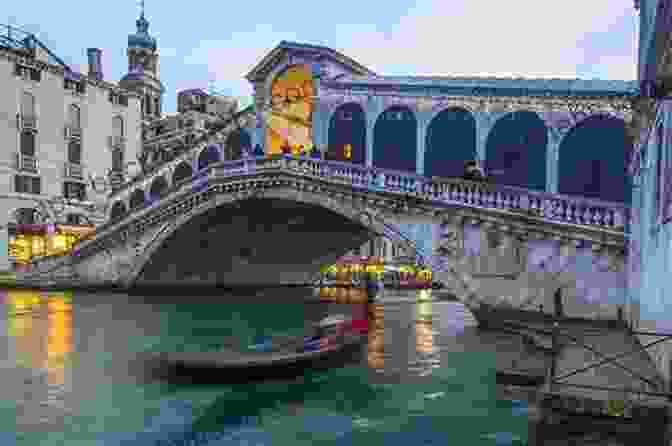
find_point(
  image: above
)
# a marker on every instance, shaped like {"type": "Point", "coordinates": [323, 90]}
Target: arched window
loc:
{"type": "Point", "coordinates": [137, 199]}
{"type": "Point", "coordinates": [74, 116]}
{"type": "Point", "coordinates": [515, 152]}
{"type": "Point", "coordinates": [593, 159]}
{"type": "Point", "coordinates": [27, 104]}
{"type": "Point", "coordinates": [158, 188]}
{"type": "Point", "coordinates": [182, 172]}
{"type": "Point", "coordinates": [208, 156]}
{"type": "Point", "coordinates": [450, 143]}
{"type": "Point", "coordinates": [118, 126]}
{"type": "Point", "coordinates": [118, 211]}
{"type": "Point", "coordinates": [395, 139]}
{"type": "Point", "coordinates": [347, 134]}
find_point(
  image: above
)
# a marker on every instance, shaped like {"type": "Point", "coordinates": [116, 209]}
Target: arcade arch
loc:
{"type": "Point", "coordinates": [395, 140]}
{"type": "Point", "coordinates": [450, 143]}
{"type": "Point", "coordinates": [347, 134]}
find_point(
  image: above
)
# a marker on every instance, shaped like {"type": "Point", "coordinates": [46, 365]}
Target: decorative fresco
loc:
{"type": "Point", "coordinates": [289, 119]}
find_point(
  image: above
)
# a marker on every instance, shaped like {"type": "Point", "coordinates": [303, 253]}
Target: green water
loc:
{"type": "Point", "coordinates": [69, 378]}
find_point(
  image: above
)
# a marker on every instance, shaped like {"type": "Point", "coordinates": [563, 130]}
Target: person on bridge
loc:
{"type": "Point", "coordinates": [473, 171]}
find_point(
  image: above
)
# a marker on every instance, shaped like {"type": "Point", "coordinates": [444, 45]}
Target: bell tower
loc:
{"type": "Point", "coordinates": [143, 69]}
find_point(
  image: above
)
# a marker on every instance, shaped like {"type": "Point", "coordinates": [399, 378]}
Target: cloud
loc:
{"type": "Point", "coordinates": [527, 38]}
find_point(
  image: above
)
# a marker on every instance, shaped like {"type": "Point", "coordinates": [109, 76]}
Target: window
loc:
{"type": "Point", "coordinates": [74, 191]}
{"type": "Point", "coordinates": [75, 219]}
{"type": "Point", "coordinates": [27, 72]}
{"type": "Point", "coordinates": [26, 216]}
{"type": "Point", "coordinates": [74, 116]}
{"type": "Point", "coordinates": [157, 107]}
{"type": "Point", "coordinates": [27, 185]}
{"type": "Point", "coordinates": [118, 99]}
{"type": "Point", "coordinates": [27, 143]}
{"type": "Point", "coordinates": [118, 160]}
{"type": "Point", "coordinates": [27, 104]}
{"type": "Point", "coordinates": [148, 104]}
{"type": "Point", "coordinates": [75, 152]}
{"type": "Point", "coordinates": [118, 126]}
{"type": "Point", "coordinates": [73, 85]}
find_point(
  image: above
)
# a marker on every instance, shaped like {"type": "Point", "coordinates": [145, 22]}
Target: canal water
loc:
{"type": "Point", "coordinates": [70, 374]}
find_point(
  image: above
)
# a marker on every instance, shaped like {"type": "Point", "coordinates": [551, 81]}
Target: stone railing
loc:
{"type": "Point", "coordinates": [433, 193]}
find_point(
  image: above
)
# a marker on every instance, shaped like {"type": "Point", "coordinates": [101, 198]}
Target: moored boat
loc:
{"type": "Point", "coordinates": [334, 341]}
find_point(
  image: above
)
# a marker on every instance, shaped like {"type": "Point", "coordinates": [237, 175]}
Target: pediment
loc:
{"type": "Point", "coordinates": [333, 63]}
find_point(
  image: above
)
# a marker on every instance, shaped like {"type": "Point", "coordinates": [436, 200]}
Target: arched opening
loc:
{"type": "Point", "coordinates": [516, 151]}
{"type": "Point", "coordinates": [182, 172]}
{"type": "Point", "coordinates": [137, 199]}
{"type": "Point", "coordinates": [593, 159]}
{"type": "Point", "coordinates": [76, 219]}
{"type": "Point", "coordinates": [450, 143]}
{"type": "Point", "coordinates": [208, 156]}
{"type": "Point", "coordinates": [158, 188]}
{"type": "Point", "coordinates": [289, 120]}
{"type": "Point", "coordinates": [347, 134]}
{"type": "Point", "coordinates": [118, 211]}
{"type": "Point", "coordinates": [395, 139]}
{"type": "Point", "coordinates": [235, 143]}
{"type": "Point", "coordinates": [118, 126]}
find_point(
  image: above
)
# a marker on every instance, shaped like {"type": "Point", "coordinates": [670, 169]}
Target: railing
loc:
{"type": "Point", "coordinates": [163, 137]}
{"type": "Point", "coordinates": [116, 142]}
{"type": "Point", "coordinates": [26, 163]}
{"type": "Point", "coordinates": [444, 193]}
{"type": "Point", "coordinates": [73, 170]}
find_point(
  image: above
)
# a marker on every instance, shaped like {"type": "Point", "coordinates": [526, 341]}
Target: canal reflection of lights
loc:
{"type": "Point", "coordinates": [42, 340]}
{"type": "Point", "coordinates": [376, 347]}
{"type": "Point", "coordinates": [425, 295]}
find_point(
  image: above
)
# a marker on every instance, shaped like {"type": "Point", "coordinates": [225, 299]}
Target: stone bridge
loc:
{"type": "Point", "coordinates": [276, 220]}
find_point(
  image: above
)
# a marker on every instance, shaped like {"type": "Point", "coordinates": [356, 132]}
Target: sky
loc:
{"type": "Point", "coordinates": [214, 43]}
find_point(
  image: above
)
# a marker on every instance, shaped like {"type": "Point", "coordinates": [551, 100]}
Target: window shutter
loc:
{"type": "Point", "coordinates": [37, 189]}
{"type": "Point", "coordinates": [81, 87]}
{"type": "Point", "coordinates": [17, 70]}
{"type": "Point", "coordinates": [123, 100]}
{"type": "Point", "coordinates": [28, 143]}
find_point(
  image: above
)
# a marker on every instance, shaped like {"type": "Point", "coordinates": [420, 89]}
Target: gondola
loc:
{"type": "Point", "coordinates": [333, 343]}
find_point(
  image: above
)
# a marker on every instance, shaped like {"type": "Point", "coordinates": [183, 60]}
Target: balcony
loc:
{"type": "Point", "coordinates": [116, 142]}
{"type": "Point", "coordinates": [74, 170]}
{"type": "Point", "coordinates": [27, 122]}
{"type": "Point", "coordinates": [26, 163]}
{"type": "Point", "coordinates": [72, 132]}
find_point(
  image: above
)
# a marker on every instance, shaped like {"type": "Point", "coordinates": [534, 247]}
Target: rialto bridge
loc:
{"type": "Point", "coordinates": [554, 150]}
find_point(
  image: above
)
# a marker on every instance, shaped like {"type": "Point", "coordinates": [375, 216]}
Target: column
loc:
{"type": "Point", "coordinates": [372, 111]}
{"type": "Point", "coordinates": [484, 123]}
{"type": "Point", "coordinates": [553, 137]}
{"type": "Point", "coordinates": [422, 132]}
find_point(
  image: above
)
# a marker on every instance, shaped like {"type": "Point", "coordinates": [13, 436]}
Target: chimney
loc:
{"type": "Point", "coordinates": [95, 66]}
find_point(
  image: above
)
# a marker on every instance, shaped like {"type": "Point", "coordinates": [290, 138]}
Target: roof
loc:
{"type": "Point", "coordinates": [486, 85]}
{"type": "Point", "coordinates": [324, 51]}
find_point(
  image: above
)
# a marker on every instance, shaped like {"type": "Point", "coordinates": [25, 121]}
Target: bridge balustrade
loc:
{"type": "Point", "coordinates": [438, 193]}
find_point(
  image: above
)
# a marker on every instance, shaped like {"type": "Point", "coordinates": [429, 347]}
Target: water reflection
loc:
{"type": "Point", "coordinates": [376, 347]}
{"type": "Point", "coordinates": [343, 295]}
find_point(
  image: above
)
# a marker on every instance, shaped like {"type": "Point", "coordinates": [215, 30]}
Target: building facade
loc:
{"type": "Point", "coordinates": [650, 249]}
{"type": "Point", "coordinates": [65, 138]}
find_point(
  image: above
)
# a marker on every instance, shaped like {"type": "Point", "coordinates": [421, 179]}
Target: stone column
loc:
{"type": "Point", "coordinates": [373, 108]}
{"type": "Point", "coordinates": [557, 125]}
{"type": "Point", "coordinates": [420, 153]}
{"type": "Point", "coordinates": [484, 123]}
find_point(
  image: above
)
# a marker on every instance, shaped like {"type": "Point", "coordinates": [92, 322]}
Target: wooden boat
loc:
{"type": "Point", "coordinates": [334, 343]}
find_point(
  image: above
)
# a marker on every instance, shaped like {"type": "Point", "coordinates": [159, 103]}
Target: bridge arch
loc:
{"type": "Point", "coordinates": [181, 172]}
{"type": "Point", "coordinates": [347, 125]}
{"type": "Point", "coordinates": [516, 150]}
{"type": "Point", "coordinates": [117, 211]}
{"type": "Point", "coordinates": [209, 155]}
{"type": "Point", "coordinates": [395, 139]}
{"type": "Point", "coordinates": [235, 143]}
{"type": "Point", "coordinates": [592, 159]}
{"type": "Point", "coordinates": [360, 216]}
{"type": "Point", "coordinates": [450, 142]}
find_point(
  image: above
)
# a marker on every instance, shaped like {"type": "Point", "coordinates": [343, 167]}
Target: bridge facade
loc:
{"type": "Point", "coordinates": [261, 220]}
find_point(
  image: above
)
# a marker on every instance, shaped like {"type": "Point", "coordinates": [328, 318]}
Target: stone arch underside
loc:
{"type": "Point", "coordinates": [516, 151]}
{"type": "Point", "coordinates": [282, 237]}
